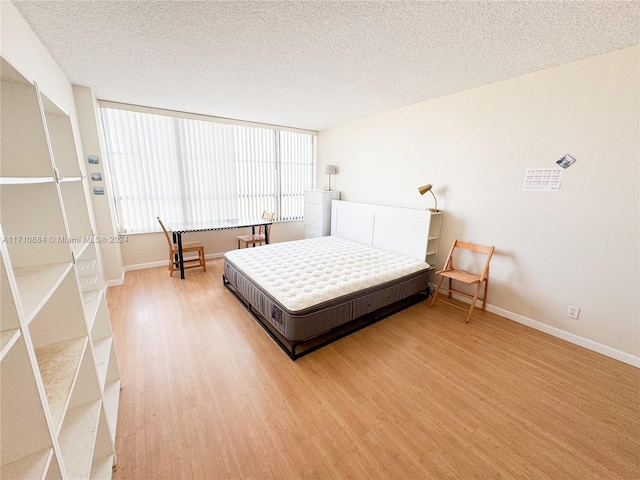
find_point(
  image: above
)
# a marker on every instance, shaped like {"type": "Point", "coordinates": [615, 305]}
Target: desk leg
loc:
{"type": "Point", "coordinates": [176, 258]}
{"type": "Point", "coordinates": [180, 255]}
{"type": "Point", "coordinates": [253, 232]}
{"type": "Point", "coordinates": [266, 235]}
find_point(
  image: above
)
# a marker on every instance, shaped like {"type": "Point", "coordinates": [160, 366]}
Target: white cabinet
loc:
{"type": "Point", "coordinates": [435, 226]}
{"type": "Point", "coordinates": [317, 212]}
{"type": "Point", "coordinates": [59, 374]}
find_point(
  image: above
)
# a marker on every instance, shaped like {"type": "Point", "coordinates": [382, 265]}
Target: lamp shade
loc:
{"type": "Point", "coordinates": [425, 188]}
{"type": "Point", "coordinates": [329, 169]}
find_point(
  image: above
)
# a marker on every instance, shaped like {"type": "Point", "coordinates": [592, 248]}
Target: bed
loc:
{"type": "Point", "coordinates": [308, 293]}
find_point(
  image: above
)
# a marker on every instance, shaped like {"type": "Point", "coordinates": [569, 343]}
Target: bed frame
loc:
{"type": "Point", "coordinates": [395, 229]}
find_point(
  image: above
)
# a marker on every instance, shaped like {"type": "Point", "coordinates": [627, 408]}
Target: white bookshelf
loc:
{"type": "Point", "coordinates": [433, 241]}
{"type": "Point", "coordinates": [60, 382]}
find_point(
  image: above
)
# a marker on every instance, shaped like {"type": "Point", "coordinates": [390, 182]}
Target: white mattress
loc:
{"type": "Point", "coordinates": [304, 273]}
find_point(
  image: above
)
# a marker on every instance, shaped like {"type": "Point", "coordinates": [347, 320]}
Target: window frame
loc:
{"type": "Point", "coordinates": [279, 163]}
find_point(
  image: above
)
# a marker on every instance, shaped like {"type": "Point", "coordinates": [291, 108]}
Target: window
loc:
{"type": "Point", "coordinates": [189, 169]}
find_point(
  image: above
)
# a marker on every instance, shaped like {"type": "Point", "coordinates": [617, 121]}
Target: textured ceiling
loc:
{"type": "Point", "coordinates": [314, 64]}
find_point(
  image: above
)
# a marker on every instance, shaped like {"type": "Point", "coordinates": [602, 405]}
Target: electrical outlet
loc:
{"type": "Point", "coordinates": [573, 312]}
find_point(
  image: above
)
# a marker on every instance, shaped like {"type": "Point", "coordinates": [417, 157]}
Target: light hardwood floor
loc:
{"type": "Point", "coordinates": [207, 394]}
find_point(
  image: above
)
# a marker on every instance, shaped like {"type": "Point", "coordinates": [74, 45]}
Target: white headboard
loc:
{"type": "Point", "coordinates": [400, 230]}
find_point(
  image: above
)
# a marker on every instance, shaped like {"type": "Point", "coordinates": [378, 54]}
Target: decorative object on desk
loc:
{"type": "Point", "coordinates": [96, 177]}
{"type": "Point", "coordinates": [93, 159]}
{"type": "Point", "coordinates": [187, 247]}
{"type": "Point", "coordinates": [428, 188]}
{"type": "Point", "coordinates": [258, 238]}
{"type": "Point", "coordinates": [566, 161]}
{"type": "Point", "coordinates": [98, 190]}
{"type": "Point", "coordinates": [329, 170]}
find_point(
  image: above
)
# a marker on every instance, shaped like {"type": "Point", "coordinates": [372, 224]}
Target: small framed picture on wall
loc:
{"type": "Point", "coordinates": [566, 161]}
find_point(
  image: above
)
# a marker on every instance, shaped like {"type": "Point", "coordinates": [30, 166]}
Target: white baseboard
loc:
{"type": "Point", "coordinates": [163, 263]}
{"type": "Point", "coordinates": [556, 332]}
{"type": "Point", "coordinates": [116, 282]}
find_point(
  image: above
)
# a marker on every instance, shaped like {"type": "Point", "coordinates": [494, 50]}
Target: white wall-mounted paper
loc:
{"type": "Point", "coordinates": [542, 179]}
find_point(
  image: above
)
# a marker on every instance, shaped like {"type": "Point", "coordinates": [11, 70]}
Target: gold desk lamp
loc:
{"type": "Point", "coordinates": [428, 188]}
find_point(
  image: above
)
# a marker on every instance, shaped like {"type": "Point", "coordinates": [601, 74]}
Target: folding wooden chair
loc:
{"type": "Point", "coordinates": [258, 238]}
{"type": "Point", "coordinates": [187, 247]}
{"type": "Point", "coordinates": [469, 278]}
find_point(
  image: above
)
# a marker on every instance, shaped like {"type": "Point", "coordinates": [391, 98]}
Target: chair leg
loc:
{"type": "Point", "coordinates": [433, 300]}
{"type": "Point", "coordinates": [484, 298]}
{"type": "Point", "coordinates": [171, 264]}
{"type": "Point", "coordinates": [203, 261]}
{"type": "Point", "coordinates": [473, 302]}
{"type": "Point", "coordinates": [450, 288]}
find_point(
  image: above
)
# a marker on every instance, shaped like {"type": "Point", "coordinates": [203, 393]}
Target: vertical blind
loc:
{"type": "Point", "coordinates": [187, 170]}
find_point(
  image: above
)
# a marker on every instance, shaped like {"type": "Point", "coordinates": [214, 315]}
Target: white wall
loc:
{"type": "Point", "coordinates": [579, 245]}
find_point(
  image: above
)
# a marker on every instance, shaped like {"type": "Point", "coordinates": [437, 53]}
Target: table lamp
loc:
{"type": "Point", "coordinates": [428, 188]}
{"type": "Point", "coordinates": [329, 170]}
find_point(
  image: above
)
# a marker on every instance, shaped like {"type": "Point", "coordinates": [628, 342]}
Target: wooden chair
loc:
{"type": "Point", "coordinates": [469, 278]}
{"type": "Point", "coordinates": [258, 238]}
{"type": "Point", "coordinates": [187, 247]}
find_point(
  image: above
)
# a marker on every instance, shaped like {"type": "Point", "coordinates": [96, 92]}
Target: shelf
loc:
{"type": "Point", "coordinates": [113, 373]}
{"type": "Point", "coordinates": [25, 180]}
{"type": "Point", "coordinates": [63, 144]}
{"type": "Point", "coordinates": [101, 326]}
{"type": "Point", "coordinates": [87, 265]}
{"type": "Point", "coordinates": [103, 448]}
{"type": "Point", "coordinates": [79, 248]}
{"type": "Point", "coordinates": [102, 350]}
{"type": "Point", "coordinates": [53, 473]}
{"type": "Point", "coordinates": [31, 467]}
{"type": "Point", "coordinates": [77, 439]}
{"type": "Point", "coordinates": [22, 416]}
{"type": "Point", "coordinates": [73, 197]}
{"type": "Point", "coordinates": [10, 74]}
{"type": "Point", "coordinates": [36, 284]}
{"type": "Point", "coordinates": [52, 373]}
{"type": "Point", "coordinates": [62, 317]}
{"type": "Point", "coordinates": [33, 224]}
{"type": "Point", "coordinates": [23, 141]}
{"type": "Point", "coordinates": [89, 283]}
{"type": "Point", "coordinates": [8, 339]}
{"type": "Point", "coordinates": [85, 387]}
{"type": "Point", "coordinates": [91, 304]}
{"type": "Point", "coordinates": [9, 319]}
{"type": "Point", "coordinates": [58, 365]}
{"type": "Point", "coordinates": [102, 468]}
{"type": "Point", "coordinates": [111, 404]}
